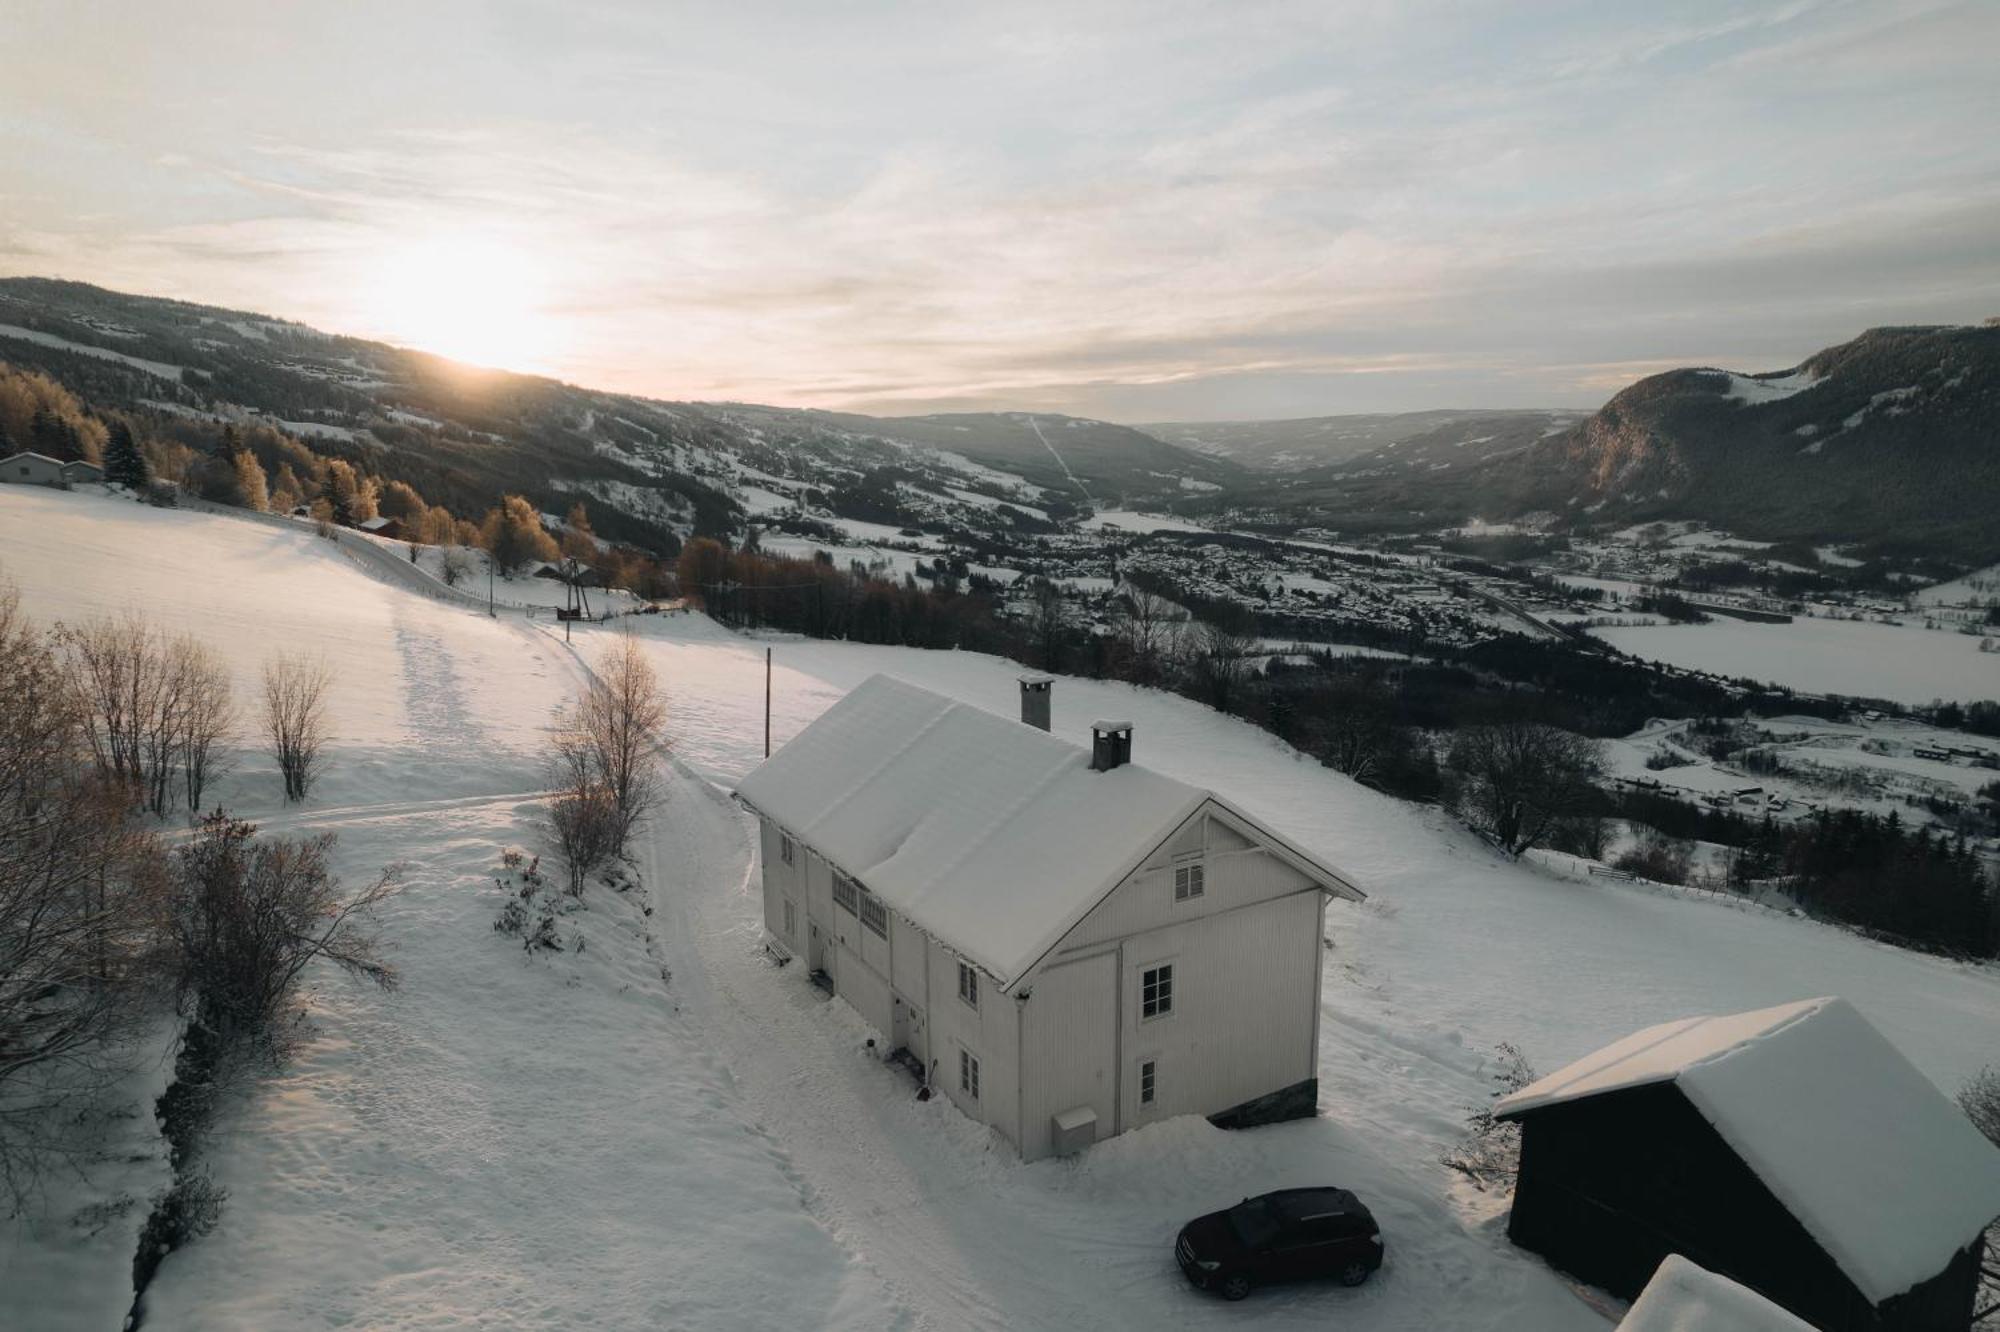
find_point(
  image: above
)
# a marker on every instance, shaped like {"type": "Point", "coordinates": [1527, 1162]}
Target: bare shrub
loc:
{"type": "Point", "coordinates": [582, 811]}
{"type": "Point", "coordinates": [456, 565]}
{"type": "Point", "coordinates": [623, 715]}
{"type": "Point", "coordinates": [1980, 1099]}
{"type": "Point", "coordinates": [295, 717]}
{"type": "Point", "coordinates": [1660, 858]}
{"type": "Point", "coordinates": [248, 915]}
{"type": "Point", "coordinates": [78, 898]}
{"type": "Point", "coordinates": [1490, 1155]}
{"type": "Point", "coordinates": [1515, 781]}
{"type": "Point", "coordinates": [205, 719]}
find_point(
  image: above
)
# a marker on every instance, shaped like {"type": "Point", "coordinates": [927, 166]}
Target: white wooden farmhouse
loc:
{"type": "Point", "coordinates": [1069, 944]}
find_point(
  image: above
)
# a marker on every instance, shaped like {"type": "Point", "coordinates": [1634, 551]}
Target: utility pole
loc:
{"type": "Point", "coordinates": [767, 702]}
{"type": "Point", "coordinates": [489, 586]}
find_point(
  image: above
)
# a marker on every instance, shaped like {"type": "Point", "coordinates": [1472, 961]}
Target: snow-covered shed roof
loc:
{"type": "Point", "coordinates": [1687, 1297]}
{"type": "Point", "coordinates": [992, 836]}
{"type": "Point", "coordinates": [1880, 1168]}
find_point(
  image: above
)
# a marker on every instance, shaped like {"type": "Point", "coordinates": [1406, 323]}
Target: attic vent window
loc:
{"type": "Point", "coordinates": [845, 896]}
{"type": "Point", "coordinates": [874, 915]}
{"type": "Point", "coordinates": [1190, 880]}
{"type": "Point", "coordinates": [968, 985]}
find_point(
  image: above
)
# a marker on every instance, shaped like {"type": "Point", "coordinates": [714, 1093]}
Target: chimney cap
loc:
{"type": "Point", "coordinates": [1111, 726]}
{"type": "Point", "coordinates": [1037, 681]}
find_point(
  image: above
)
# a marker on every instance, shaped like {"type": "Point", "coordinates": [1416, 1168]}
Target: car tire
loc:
{"type": "Point", "coordinates": [1355, 1273]}
{"type": "Point", "coordinates": [1234, 1287]}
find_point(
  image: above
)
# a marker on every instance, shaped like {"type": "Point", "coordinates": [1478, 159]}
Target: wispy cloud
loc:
{"type": "Point", "coordinates": [1130, 210]}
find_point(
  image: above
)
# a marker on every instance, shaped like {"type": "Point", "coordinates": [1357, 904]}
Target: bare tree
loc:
{"type": "Point", "coordinates": [624, 714]}
{"type": "Point", "coordinates": [295, 717]}
{"type": "Point", "coordinates": [206, 717]}
{"type": "Point", "coordinates": [154, 709]}
{"type": "Point", "coordinates": [1146, 624]}
{"type": "Point", "coordinates": [582, 812]}
{"type": "Point", "coordinates": [1357, 732]}
{"type": "Point", "coordinates": [1218, 653]}
{"type": "Point", "coordinates": [248, 915]}
{"type": "Point", "coordinates": [1048, 622]}
{"type": "Point", "coordinates": [78, 886]}
{"type": "Point", "coordinates": [605, 760]}
{"type": "Point", "coordinates": [1515, 781]}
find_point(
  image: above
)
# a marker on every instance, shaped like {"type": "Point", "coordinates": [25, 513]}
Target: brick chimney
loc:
{"type": "Point", "coordinates": [1110, 745]}
{"type": "Point", "coordinates": [1035, 700]}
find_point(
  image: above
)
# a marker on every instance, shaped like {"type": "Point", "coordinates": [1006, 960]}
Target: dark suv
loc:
{"type": "Point", "coordinates": [1290, 1235]}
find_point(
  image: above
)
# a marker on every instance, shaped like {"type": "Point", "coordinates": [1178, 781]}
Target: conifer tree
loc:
{"type": "Point", "coordinates": [123, 462]}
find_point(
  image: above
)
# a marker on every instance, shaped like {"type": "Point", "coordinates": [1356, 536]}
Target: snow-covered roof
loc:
{"type": "Point", "coordinates": [1686, 1297]}
{"type": "Point", "coordinates": [376, 523]}
{"type": "Point", "coordinates": [1880, 1168]}
{"type": "Point", "coordinates": [992, 836]}
{"type": "Point", "coordinates": [30, 453]}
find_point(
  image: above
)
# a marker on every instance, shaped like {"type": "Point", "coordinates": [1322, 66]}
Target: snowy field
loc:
{"type": "Point", "coordinates": [665, 1130]}
{"type": "Point", "coordinates": [1819, 656]}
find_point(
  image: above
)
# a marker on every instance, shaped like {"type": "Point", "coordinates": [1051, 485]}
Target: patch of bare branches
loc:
{"type": "Point", "coordinates": [295, 688]}
{"type": "Point", "coordinates": [79, 897]}
{"type": "Point", "coordinates": [1517, 781]}
{"type": "Point", "coordinates": [604, 761]}
{"type": "Point", "coordinates": [156, 710]}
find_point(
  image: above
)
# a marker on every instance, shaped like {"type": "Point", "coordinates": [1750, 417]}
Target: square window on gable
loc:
{"type": "Point", "coordinates": [1190, 880]}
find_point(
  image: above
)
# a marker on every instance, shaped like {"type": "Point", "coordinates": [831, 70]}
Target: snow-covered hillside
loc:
{"type": "Point", "coordinates": [666, 1130]}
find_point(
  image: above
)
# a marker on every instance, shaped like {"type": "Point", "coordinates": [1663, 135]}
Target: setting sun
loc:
{"type": "Point", "coordinates": [470, 298]}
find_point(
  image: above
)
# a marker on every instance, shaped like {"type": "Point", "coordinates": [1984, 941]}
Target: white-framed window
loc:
{"type": "Point", "coordinates": [1190, 880]}
{"type": "Point", "coordinates": [791, 920]}
{"type": "Point", "coordinates": [787, 849]}
{"type": "Point", "coordinates": [845, 895]}
{"type": "Point", "coordinates": [1156, 991]}
{"type": "Point", "coordinates": [873, 914]}
{"type": "Point", "coordinates": [968, 1073]}
{"type": "Point", "coordinates": [968, 985]}
{"type": "Point", "coordinates": [1149, 1081]}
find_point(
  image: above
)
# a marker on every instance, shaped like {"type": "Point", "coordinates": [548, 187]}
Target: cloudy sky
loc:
{"type": "Point", "coordinates": [1140, 211]}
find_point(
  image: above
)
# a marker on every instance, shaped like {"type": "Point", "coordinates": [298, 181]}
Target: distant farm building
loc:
{"type": "Point", "coordinates": [389, 529]}
{"type": "Point", "coordinates": [1792, 1149]}
{"type": "Point", "coordinates": [1066, 944]}
{"type": "Point", "coordinates": [31, 469]}
{"type": "Point", "coordinates": [77, 472]}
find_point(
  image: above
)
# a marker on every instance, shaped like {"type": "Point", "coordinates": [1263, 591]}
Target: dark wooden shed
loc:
{"type": "Point", "coordinates": [1793, 1150]}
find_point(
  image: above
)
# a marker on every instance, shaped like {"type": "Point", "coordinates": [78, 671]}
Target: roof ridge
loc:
{"type": "Point", "coordinates": [1804, 1009]}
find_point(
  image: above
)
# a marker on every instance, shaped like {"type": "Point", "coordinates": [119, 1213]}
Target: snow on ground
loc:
{"type": "Point", "coordinates": [159, 368]}
{"type": "Point", "coordinates": [1126, 520]}
{"type": "Point", "coordinates": [580, 1143]}
{"type": "Point", "coordinates": [1745, 389]}
{"type": "Point", "coordinates": [1823, 656]}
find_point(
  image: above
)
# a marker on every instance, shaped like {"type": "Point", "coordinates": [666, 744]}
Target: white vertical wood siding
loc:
{"type": "Point", "coordinates": [991, 1032]}
{"type": "Point", "coordinates": [1069, 1035]}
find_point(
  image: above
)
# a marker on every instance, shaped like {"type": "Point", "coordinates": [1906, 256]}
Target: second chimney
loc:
{"type": "Point", "coordinates": [1035, 700]}
{"type": "Point", "coordinates": [1110, 745]}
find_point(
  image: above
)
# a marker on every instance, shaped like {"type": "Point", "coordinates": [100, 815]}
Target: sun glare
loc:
{"type": "Point", "coordinates": [471, 299]}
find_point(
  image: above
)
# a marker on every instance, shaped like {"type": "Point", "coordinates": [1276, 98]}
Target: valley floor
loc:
{"type": "Point", "coordinates": [665, 1130]}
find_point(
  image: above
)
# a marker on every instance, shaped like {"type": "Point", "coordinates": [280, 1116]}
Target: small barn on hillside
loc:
{"type": "Point", "coordinates": [1792, 1149]}
{"type": "Point", "coordinates": [1686, 1297]}
{"type": "Point", "coordinates": [77, 472]}
{"type": "Point", "coordinates": [382, 525]}
{"type": "Point", "coordinates": [1067, 944]}
{"type": "Point", "coordinates": [31, 469]}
